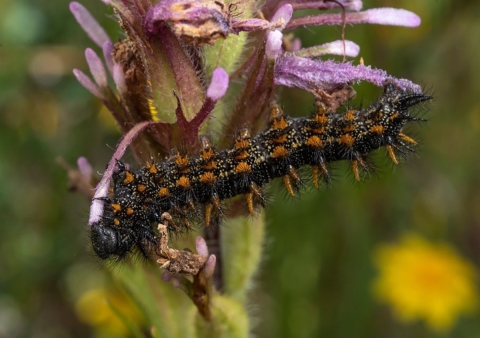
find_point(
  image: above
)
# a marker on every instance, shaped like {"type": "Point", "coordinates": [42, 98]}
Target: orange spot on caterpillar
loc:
{"type": "Point", "coordinates": [349, 128]}
{"type": "Point", "coordinates": [280, 152]}
{"type": "Point", "coordinates": [181, 161]}
{"type": "Point", "coordinates": [183, 182]}
{"type": "Point", "coordinates": [207, 151]}
{"type": "Point", "coordinates": [243, 167]}
{"type": "Point", "coordinates": [116, 222]}
{"type": "Point", "coordinates": [279, 124]}
{"type": "Point", "coordinates": [314, 141]}
{"type": "Point", "coordinates": [208, 178]}
{"type": "Point", "coordinates": [128, 177]}
{"type": "Point", "coordinates": [321, 118]}
{"type": "Point", "coordinates": [241, 156]}
{"type": "Point", "coordinates": [129, 211]}
{"type": "Point", "coordinates": [350, 115]}
{"type": "Point", "coordinates": [207, 154]}
{"type": "Point", "coordinates": [377, 130]}
{"type": "Point", "coordinates": [242, 144]}
{"type": "Point", "coordinates": [141, 187]}
{"type": "Point", "coordinates": [347, 140]}
{"type": "Point", "coordinates": [163, 192]}
{"type": "Point", "coordinates": [210, 165]}
{"type": "Point", "coordinates": [116, 207]}
{"type": "Point", "coordinates": [152, 169]}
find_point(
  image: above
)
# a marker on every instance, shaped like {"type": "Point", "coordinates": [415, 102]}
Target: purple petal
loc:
{"type": "Point", "coordinates": [89, 24]}
{"type": "Point", "coordinates": [119, 78]}
{"type": "Point", "coordinates": [327, 75]}
{"type": "Point", "coordinates": [390, 16]}
{"type": "Point", "coordinates": [210, 266]}
{"type": "Point", "coordinates": [352, 5]}
{"type": "Point", "coordinates": [274, 44]}
{"type": "Point", "coordinates": [101, 191]}
{"type": "Point", "coordinates": [85, 168]}
{"type": "Point", "coordinates": [219, 85]}
{"type": "Point", "coordinates": [249, 25]}
{"type": "Point", "coordinates": [96, 68]}
{"type": "Point", "coordinates": [107, 55]}
{"type": "Point", "coordinates": [216, 90]}
{"type": "Point", "coordinates": [88, 84]}
{"type": "Point", "coordinates": [381, 16]}
{"type": "Point", "coordinates": [279, 21]}
{"type": "Point", "coordinates": [282, 16]}
{"type": "Point", "coordinates": [201, 247]}
{"type": "Point", "coordinates": [339, 47]}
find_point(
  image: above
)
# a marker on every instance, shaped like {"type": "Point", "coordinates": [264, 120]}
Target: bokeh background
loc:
{"type": "Point", "coordinates": [318, 270]}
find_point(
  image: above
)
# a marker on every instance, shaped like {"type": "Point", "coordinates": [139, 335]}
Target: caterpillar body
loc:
{"type": "Point", "coordinates": [186, 186]}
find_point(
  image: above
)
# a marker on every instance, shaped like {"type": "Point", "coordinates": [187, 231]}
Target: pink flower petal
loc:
{"type": "Point", "coordinates": [119, 78]}
{"type": "Point", "coordinates": [219, 85]}
{"type": "Point", "coordinates": [282, 16]}
{"type": "Point", "coordinates": [380, 16]}
{"type": "Point", "coordinates": [210, 266]}
{"type": "Point", "coordinates": [390, 16]}
{"type": "Point", "coordinates": [201, 247]}
{"type": "Point", "coordinates": [107, 55]}
{"type": "Point", "coordinates": [89, 24]}
{"type": "Point", "coordinates": [96, 68]}
{"type": "Point", "coordinates": [84, 167]}
{"type": "Point", "coordinates": [327, 75]}
{"type": "Point", "coordinates": [273, 47]}
{"type": "Point", "coordinates": [87, 83]}
{"type": "Point", "coordinates": [338, 47]}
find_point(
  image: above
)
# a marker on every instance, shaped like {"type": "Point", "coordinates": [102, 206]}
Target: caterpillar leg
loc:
{"type": "Point", "coordinates": [255, 193]}
{"type": "Point", "coordinates": [291, 180]}
{"type": "Point", "coordinates": [212, 209]}
{"type": "Point", "coordinates": [406, 138]}
{"type": "Point", "coordinates": [391, 154]}
{"type": "Point", "coordinates": [361, 163]}
{"type": "Point", "coordinates": [322, 171]}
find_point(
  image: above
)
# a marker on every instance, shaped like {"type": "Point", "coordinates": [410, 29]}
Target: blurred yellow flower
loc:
{"type": "Point", "coordinates": [422, 280]}
{"type": "Point", "coordinates": [94, 308]}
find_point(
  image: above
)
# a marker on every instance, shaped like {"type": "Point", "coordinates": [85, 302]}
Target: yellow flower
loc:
{"type": "Point", "coordinates": [422, 280]}
{"type": "Point", "coordinates": [94, 308]}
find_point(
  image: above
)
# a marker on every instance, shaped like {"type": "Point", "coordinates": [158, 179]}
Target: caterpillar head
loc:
{"type": "Point", "coordinates": [107, 242]}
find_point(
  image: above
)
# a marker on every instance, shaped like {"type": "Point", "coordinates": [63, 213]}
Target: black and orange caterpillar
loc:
{"type": "Point", "coordinates": [183, 185]}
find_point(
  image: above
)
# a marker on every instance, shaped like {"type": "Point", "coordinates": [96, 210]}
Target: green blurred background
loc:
{"type": "Point", "coordinates": [315, 278]}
